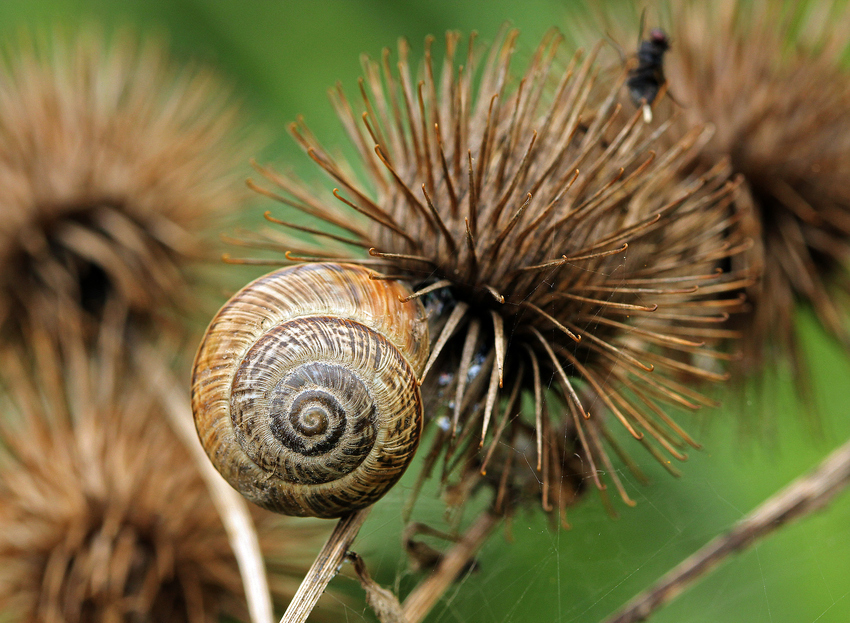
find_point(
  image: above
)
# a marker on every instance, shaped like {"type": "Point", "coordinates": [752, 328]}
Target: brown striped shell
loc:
{"type": "Point", "coordinates": [305, 388]}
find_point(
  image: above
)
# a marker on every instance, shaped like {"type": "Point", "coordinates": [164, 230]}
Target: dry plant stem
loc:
{"type": "Point", "coordinates": [802, 497]}
{"type": "Point", "coordinates": [383, 602]}
{"type": "Point", "coordinates": [230, 505]}
{"type": "Point", "coordinates": [425, 596]}
{"type": "Point", "coordinates": [325, 567]}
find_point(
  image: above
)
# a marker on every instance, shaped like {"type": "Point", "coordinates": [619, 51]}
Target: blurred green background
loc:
{"type": "Point", "coordinates": [282, 56]}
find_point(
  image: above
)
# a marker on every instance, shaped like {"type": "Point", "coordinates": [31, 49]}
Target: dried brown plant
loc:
{"type": "Point", "coordinates": [770, 78]}
{"type": "Point", "coordinates": [562, 255]}
{"type": "Point", "coordinates": [103, 513]}
{"type": "Point", "coordinates": [111, 156]}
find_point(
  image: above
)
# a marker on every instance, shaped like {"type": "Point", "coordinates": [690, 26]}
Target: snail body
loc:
{"type": "Point", "coordinates": [305, 392]}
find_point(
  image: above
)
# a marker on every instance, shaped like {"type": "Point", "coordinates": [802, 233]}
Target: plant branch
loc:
{"type": "Point", "coordinates": [428, 592]}
{"type": "Point", "coordinates": [325, 567]}
{"type": "Point", "coordinates": [802, 497]}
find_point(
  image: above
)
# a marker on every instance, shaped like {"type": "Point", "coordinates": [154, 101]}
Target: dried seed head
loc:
{"type": "Point", "coordinates": [559, 253]}
{"type": "Point", "coordinates": [769, 77]}
{"type": "Point", "coordinates": [109, 156]}
{"type": "Point", "coordinates": [103, 515]}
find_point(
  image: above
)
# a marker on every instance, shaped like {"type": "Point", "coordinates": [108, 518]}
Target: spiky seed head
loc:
{"type": "Point", "coordinates": [103, 514]}
{"type": "Point", "coordinates": [562, 256]}
{"type": "Point", "coordinates": [111, 156]}
{"type": "Point", "coordinates": [769, 77]}
{"type": "Point", "coordinates": [773, 84]}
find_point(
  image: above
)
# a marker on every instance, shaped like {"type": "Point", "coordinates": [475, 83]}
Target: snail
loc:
{"type": "Point", "coordinates": [305, 391]}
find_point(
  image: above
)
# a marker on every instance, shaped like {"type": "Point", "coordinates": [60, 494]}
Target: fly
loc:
{"type": "Point", "coordinates": [647, 79]}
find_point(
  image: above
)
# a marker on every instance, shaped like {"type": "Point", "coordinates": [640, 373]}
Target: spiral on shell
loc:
{"type": "Point", "coordinates": [305, 389]}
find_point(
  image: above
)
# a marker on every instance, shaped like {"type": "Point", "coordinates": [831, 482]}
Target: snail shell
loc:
{"type": "Point", "coordinates": [304, 388]}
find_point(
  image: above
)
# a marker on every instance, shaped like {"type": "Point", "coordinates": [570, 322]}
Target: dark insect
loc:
{"type": "Point", "coordinates": [647, 79]}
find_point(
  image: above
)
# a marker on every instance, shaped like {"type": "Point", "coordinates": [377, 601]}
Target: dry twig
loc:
{"type": "Point", "coordinates": [802, 497]}
{"type": "Point", "coordinates": [420, 601]}
{"type": "Point", "coordinates": [325, 567]}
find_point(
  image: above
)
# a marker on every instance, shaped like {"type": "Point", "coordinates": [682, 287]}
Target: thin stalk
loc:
{"type": "Point", "coordinates": [428, 592]}
{"type": "Point", "coordinates": [325, 567]}
{"type": "Point", "coordinates": [231, 506]}
{"type": "Point", "coordinates": [800, 498]}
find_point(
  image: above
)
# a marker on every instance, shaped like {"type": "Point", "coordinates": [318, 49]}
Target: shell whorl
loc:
{"type": "Point", "coordinates": [305, 388]}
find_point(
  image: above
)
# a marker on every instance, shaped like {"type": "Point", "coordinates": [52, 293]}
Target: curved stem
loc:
{"type": "Point", "coordinates": [231, 507]}
{"type": "Point", "coordinates": [802, 497]}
